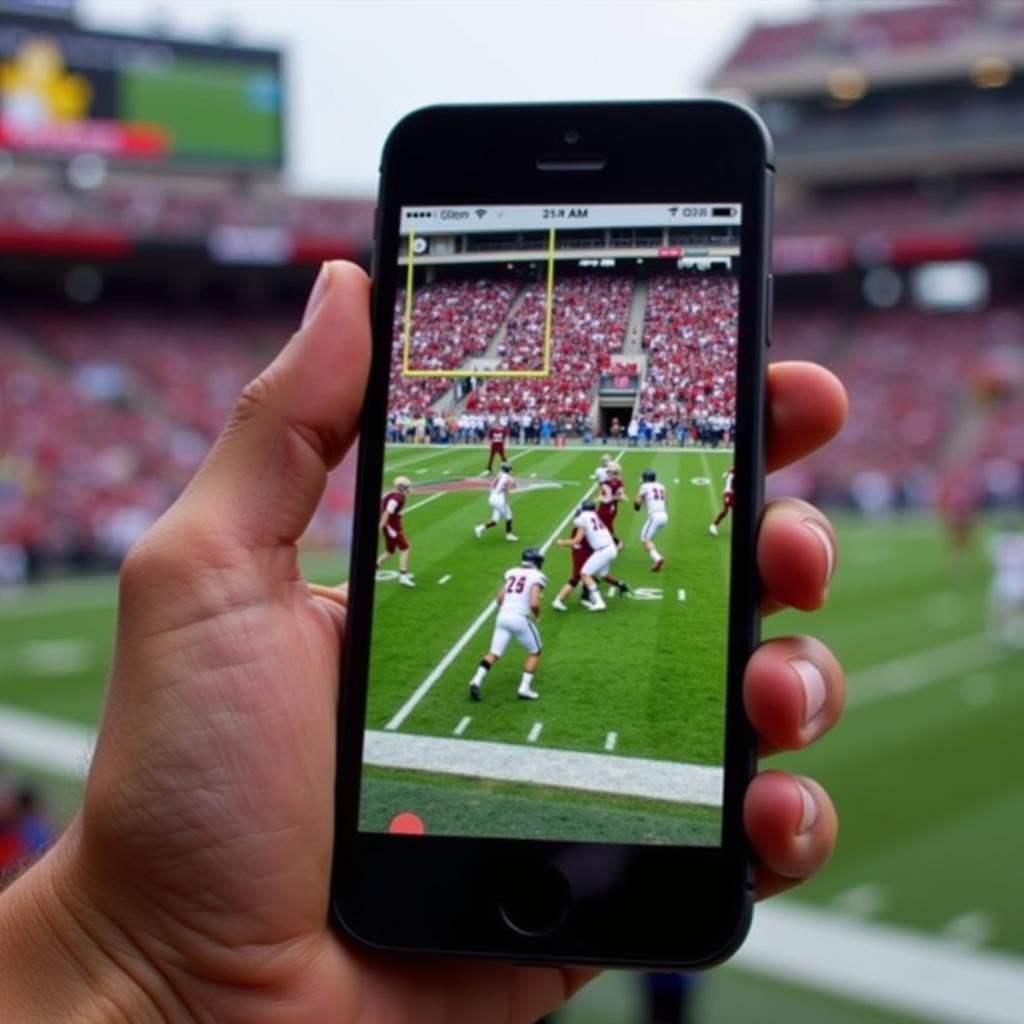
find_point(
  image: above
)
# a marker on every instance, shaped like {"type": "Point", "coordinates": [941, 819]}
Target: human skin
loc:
{"type": "Point", "coordinates": [193, 883]}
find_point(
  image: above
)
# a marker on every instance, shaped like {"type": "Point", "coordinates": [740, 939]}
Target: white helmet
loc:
{"type": "Point", "coordinates": [403, 484]}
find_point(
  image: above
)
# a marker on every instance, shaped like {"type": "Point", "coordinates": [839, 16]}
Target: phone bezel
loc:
{"type": "Point", "coordinates": [650, 906]}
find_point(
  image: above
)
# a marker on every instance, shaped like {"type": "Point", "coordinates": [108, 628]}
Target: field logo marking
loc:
{"type": "Point", "coordinates": [457, 648]}
{"type": "Point", "coordinates": [646, 594]}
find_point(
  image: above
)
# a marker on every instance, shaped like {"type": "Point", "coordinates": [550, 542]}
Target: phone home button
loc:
{"type": "Point", "coordinates": [536, 900]}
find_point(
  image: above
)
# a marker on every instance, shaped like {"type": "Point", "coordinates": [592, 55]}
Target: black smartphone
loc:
{"type": "Point", "coordinates": [542, 746]}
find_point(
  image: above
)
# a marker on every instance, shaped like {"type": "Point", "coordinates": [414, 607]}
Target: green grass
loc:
{"type": "Point", "coordinates": [927, 782]}
{"type": "Point", "coordinates": [650, 669]}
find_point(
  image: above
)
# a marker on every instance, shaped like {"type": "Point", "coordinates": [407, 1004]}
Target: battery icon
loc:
{"type": "Point", "coordinates": [723, 211]}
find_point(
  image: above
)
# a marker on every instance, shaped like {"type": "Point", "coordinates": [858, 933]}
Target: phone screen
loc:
{"type": "Point", "coordinates": [548, 657]}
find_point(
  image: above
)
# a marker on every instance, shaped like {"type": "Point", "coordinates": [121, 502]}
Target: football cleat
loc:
{"type": "Point", "coordinates": [713, 530]}
{"type": "Point", "coordinates": [479, 531]}
{"type": "Point", "coordinates": [406, 580]}
{"type": "Point", "coordinates": [528, 695]}
{"type": "Point", "coordinates": [558, 605]}
{"type": "Point", "coordinates": [595, 604]}
{"type": "Point", "coordinates": [474, 691]}
{"type": "Point", "coordinates": [533, 556]}
{"type": "Point", "coordinates": [649, 476]}
{"type": "Point", "coordinates": [511, 537]}
{"type": "Point", "coordinates": [657, 565]}
{"type": "Point", "coordinates": [623, 587]}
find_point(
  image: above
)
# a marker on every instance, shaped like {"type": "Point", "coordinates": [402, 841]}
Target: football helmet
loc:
{"type": "Point", "coordinates": [506, 467]}
{"type": "Point", "coordinates": [614, 469]}
{"type": "Point", "coordinates": [533, 556]}
{"type": "Point", "coordinates": [403, 484]}
{"type": "Point", "coordinates": [588, 506]}
{"type": "Point", "coordinates": [649, 475]}
{"type": "Point", "coordinates": [605, 459]}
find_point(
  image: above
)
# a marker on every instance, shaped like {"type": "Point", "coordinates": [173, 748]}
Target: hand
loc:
{"type": "Point", "coordinates": [193, 885]}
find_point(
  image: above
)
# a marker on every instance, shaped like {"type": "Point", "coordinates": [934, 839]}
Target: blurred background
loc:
{"type": "Point", "coordinates": [171, 178]}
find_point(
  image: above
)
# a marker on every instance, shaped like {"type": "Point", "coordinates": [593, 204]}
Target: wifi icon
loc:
{"type": "Point", "coordinates": [480, 214]}
{"type": "Point", "coordinates": [673, 210]}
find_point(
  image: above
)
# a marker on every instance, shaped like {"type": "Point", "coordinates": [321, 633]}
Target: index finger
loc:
{"type": "Point", "coordinates": [806, 407]}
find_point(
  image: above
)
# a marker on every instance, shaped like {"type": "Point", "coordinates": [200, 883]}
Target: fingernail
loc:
{"type": "Point", "coordinates": [827, 543]}
{"type": "Point", "coordinates": [810, 811]}
{"type": "Point", "coordinates": [316, 296]}
{"type": "Point", "coordinates": [815, 689]}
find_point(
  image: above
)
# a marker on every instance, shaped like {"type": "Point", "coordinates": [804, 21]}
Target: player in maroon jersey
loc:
{"type": "Point", "coordinates": [728, 499]}
{"type": "Point", "coordinates": [497, 434]}
{"type": "Point", "coordinates": [610, 494]}
{"type": "Point", "coordinates": [391, 506]}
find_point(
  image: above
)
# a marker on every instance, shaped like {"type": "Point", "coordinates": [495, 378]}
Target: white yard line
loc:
{"type": "Point", "coordinates": [435, 450]}
{"type": "Point", "coordinates": [534, 734]}
{"type": "Point", "coordinates": [884, 965]}
{"type": "Point", "coordinates": [609, 743]}
{"type": "Point", "coordinates": [48, 744]}
{"type": "Point", "coordinates": [444, 579]}
{"type": "Point", "coordinates": [463, 725]}
{"type": "Point", "coordinates": [425, 501]}
{"type": "Point", "coordinates": [424, 688]}
{"type": "Point", "coordinates": [567, 769]}
{"type": "Point", "coordinates": [916, 671]}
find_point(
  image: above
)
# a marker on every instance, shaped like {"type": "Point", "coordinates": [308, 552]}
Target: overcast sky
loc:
{"type": "Point", "coordinates": [356, 66]}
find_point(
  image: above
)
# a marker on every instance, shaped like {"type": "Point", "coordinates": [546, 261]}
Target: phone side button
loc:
{"type": "Point", "coordinates": [769, 309]}
{"type": "Point", "coordinates": [536, 901]}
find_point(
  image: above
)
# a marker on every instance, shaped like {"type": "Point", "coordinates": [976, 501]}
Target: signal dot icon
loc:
{"type": "Point", "coordinates": [480, 214]}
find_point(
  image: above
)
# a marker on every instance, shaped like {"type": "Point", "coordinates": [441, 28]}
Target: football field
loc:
{"type": "Point", "coordinates": [925, 767]}
{"type": "Point", "coordinates": [626, 739]}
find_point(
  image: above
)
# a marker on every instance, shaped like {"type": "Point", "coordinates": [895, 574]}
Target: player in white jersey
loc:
{"type": "Point", "coordinates": [652, 494]}
{"type": "Point", "coordinates": [1006, 591]}
{"type": "Point", "coordinates": [518, 606]}
{"type": "Point", "coordinates": [589, 528]}
{"type": "Point", "coordinates": [601, 473]}
{"type": "Point", "coordinates": [728, 499]}
{"type": "Point", "coordinates": [501, 488]}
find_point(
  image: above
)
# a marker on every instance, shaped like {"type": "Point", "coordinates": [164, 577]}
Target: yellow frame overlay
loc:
{"type": "Point", "coordinates": [548, 317]}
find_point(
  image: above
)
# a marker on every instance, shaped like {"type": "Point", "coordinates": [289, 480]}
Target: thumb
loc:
{"type": "Point", "coordinates": [262, 480]}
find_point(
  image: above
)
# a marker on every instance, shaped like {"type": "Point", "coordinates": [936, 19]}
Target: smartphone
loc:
{"type": "Point", "coordinates": [542, 747]}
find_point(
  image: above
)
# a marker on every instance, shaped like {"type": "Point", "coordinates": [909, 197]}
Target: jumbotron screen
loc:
{"type": "Point", "coordinates": [65, 91]}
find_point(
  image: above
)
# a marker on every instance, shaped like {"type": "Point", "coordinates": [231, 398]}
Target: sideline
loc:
{"type": "Point", "coordinates": [543, 766]}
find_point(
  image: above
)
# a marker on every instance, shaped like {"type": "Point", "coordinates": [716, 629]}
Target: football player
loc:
{"type": "Point", "coordinates": [610, 494]}
{"type": "Point", "coordinates": [391, 506]}
{"type": "Point", "coordinates": [728, 498]}
{"type": "Point", "coordinates": [602, 551]}
{"type": "Point", "coordinates": [501, 488]}
{"type": "Point", "coordinates": [497, 434]}
{"type": "Point", "coordinates": [601, 473]}
{"type": "Point", "coordinates": [518, 600]}
{"type": "Point", "coordinates": [1006, 591]}
{"type": "Point", "coordinates": [580, 553]}
{"type": "Point", "coordinates": [652, 494]}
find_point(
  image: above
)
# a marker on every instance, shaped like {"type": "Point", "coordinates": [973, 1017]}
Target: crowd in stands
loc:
{"type": "Point", "coordinates": [105, 415]}
{"type": "Point", "coordinates": [690, 327]}
{"type": "Point", "coordinates": [160, 211]}
{"type": "Point", "coordinates": [588, 325]}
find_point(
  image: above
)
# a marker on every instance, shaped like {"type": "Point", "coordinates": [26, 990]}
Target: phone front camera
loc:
{"type": "Point", "coordinates": [572, 136]}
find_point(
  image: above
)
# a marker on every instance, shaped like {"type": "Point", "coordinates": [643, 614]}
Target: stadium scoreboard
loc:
{"type": "Point", "coordinates": [137, 99]}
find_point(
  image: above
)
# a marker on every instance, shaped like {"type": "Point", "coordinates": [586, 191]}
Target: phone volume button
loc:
{"type": "Point", "coordinates": [769, 308]}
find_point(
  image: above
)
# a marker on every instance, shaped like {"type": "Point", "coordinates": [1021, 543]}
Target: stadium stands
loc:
{"type": "Point", "coordinates": [589, 324]}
